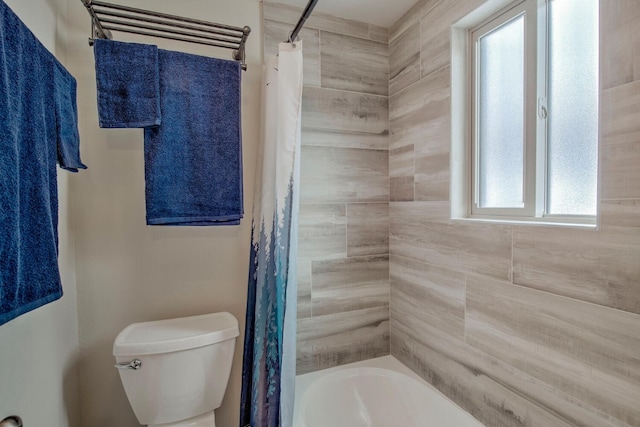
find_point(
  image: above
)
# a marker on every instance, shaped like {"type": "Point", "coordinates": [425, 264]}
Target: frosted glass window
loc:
{"type": "Point", "coordinates": [501, 116]}
{"type": "Point", "coordinates": [533, 95]}
{"type": "Point", "coordinates": [573, 108]}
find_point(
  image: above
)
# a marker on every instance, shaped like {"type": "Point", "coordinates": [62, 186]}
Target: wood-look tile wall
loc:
{"type": "Point", "coordinates": [520, 325]}
{"type": "Point", "coordinates": [343, 259]}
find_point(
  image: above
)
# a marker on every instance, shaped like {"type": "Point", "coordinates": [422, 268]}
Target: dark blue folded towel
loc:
{"type": "Point", "coordinates": [66, 109]}
{"type": "Point", "coordinates": [128, 87]}
{"type": "Point", "coordinates": [193, 161]}
{"type": "Point", "coordinates": [29, 275]}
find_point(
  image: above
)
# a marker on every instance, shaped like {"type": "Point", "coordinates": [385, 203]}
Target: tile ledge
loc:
{"type": "Point", "coordinates": [533, 222]}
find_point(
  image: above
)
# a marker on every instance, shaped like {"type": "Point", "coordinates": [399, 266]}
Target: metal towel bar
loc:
{"type": "Point", "coordinates": [107, 18]}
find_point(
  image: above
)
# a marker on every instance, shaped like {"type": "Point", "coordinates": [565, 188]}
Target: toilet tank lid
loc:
{"type": "Point", "coordinates": [165, 336]}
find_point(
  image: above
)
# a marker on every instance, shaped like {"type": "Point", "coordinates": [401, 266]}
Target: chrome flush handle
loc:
{"type": "Point", "coordinates": [135, 364]}
{"type": "Point", "coordinates": [12, 421]}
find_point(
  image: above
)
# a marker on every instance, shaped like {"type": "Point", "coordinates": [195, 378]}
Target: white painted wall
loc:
{"type": "Point", "coordinates": [38, 350]}
{"type": "Point", "coordinates": [129, 272]}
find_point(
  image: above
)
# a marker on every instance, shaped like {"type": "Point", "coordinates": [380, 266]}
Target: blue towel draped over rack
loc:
{"type": "Point", "coordinates": [128, 84]}
{"type": "Point", "coordinates": [193, 161]}
{"type": "Point", "coordinates": [193, 158]}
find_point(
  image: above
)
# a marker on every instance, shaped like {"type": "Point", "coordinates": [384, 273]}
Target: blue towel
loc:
{"type": "Point", "coordinates": [66, 109]}
{"type": "Point", "coordinates": [29, 275]}
{"type": "Point", "coordinates": [128, 87]}
{"type": "Point", "coordinates": [193, 161]}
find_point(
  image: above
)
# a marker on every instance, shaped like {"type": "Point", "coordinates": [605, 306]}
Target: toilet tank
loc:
{"type": "Point", "coordinates": [185, 366]}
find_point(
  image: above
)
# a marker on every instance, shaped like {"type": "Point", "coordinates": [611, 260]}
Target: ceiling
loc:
{"type": "Point", "coordinates": [379, 12]}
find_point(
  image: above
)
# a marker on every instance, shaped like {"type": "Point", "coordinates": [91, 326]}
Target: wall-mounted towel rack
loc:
{"type": "Point", "coordinates": [108, 17]}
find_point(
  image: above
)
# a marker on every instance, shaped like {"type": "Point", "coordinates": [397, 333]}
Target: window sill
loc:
{"type": "Point", "coordinates": [582, 223]}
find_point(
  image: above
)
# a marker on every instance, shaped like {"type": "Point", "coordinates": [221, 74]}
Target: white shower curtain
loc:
{"type": "Point", "coordinates": [269, 363]}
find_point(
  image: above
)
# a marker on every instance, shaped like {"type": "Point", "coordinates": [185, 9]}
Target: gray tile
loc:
{"type": "Point", "coordinates": [435, 44]}
{"type": "Point", "coordinates": [423, 110]}
{"type": "Point", "coordinates": [404, 59]}
{"type": "Point", "coordinates": [379, 34]}
{"type": "Point", "coordinates": [490, 390]}
{"type": "Point", "coordinates": [620, 215]}
{"type": "Point", "coordinates": [432, 177]}
{"type": "Point", "coordinates": [423, 232]}
{"type": "Point", "coordinates": [277, 32]}
{"type": "Point", "coordinates": [348, 112]}
{"type": "Point", "coordinates": [367, 229]}
{"type": "Point", "coordinates": [590, 352]}
{"type": "Point", "coordinates": [402, 173]}
{"type": "Point", "coordinates": [435, 30]}
{"type": "Point", "coordinates": [420, 115]}
{"type": "Point", "coordinates": [420, 118]}
{"type": "Point", "coordinates": [620, 145]}
{"type": "Point", "coordinates": [620, 38]}
{"type": "Point", "coordinates": [322, 232]}
{"type": "Point", "coordinates": [303, 278]}
{"type": "Point", "coordinates": [354, 64]}
{"type": "Point", "coordinates": [602, 267]}
{"type": "Point", "coordinates": [322, 21]}
{"type": "Point", "coordinates": [620, 171]}
{"type": "Point", "coordinates": [331, 138]}
{"type": "Point", "coordinates": [337, 339]}
{"type": "Point", "coordinates": [410, 18]}
{"type": "Point", "coordinates": [336, 175]}
{"type": "Point", "coordinates": [402, 161]}
{"type": "Point", "coordinates": [350, 284]}
{"type": "Point", "coordinates": [436, 295]}
{"type": "Point", "coordinates": [402, 189]}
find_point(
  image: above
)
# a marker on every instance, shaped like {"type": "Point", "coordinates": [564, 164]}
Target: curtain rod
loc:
{"type": "Point", "coordinates": [162, 25]}
{"type": "Point", "coordinates": [307, 12]}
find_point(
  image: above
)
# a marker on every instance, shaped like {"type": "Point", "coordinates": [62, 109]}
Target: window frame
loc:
{"type": "Point", "coordinates": [536, 61]}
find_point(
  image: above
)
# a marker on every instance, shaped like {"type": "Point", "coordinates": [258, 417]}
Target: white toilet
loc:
{"type": "Point", "coordinates": [175, 372]}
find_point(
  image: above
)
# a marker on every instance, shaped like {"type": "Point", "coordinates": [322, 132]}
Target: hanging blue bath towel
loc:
{"type": "Point", "coordinates": [193, 161]}
{"type": "Point", "coordinates": [66, 112]}
{"type": "Point", "coordinates": [37, 106]}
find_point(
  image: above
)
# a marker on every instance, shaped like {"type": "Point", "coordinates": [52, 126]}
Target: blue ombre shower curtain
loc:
{"type": "Point", "coordinates": [268, 374]}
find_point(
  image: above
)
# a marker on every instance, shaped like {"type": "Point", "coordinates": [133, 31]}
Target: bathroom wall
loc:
{"type": "Point", "coordinates": [129, 272]}
{"type": "Point", "coordinates": [520, 325]}
{"type": "Point", "coordinates": [343, 261]}
{"type": "Point", "coordinates": [38, 350]}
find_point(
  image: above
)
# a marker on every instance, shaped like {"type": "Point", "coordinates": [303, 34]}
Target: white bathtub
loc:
{"type": "Point", "coordinates": [379, 392]}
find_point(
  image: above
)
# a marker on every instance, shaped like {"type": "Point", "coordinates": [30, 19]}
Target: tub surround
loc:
{"type": "Point", "coordinates": [519, 325]}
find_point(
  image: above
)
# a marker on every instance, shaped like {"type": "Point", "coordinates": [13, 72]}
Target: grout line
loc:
{"type": "Point", "coordinates": [420, 49]}
{"type": "Point", "coordinates": [464, 332]}
{"type": "Point", "coordinates": [621, 199]}
{"type": "Point", "coordinates": [319, 57]}
{"type": "Point", "coordinates": [404, 89]}
{"type": "Point", "coordinates": [440, 266]}
{"type": "Point", "coordinates": [344, 147]}
{"type": "Point", "coordinates": [602, 306]}
{"type": "Point", "coordinates": [311, 289]}
{"type": "Point", "coordinates": [346, 229]}
{"type": "Point", "coordinates": [512, 246]}
{"type": "Point", "coordinates": [347, 90]}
